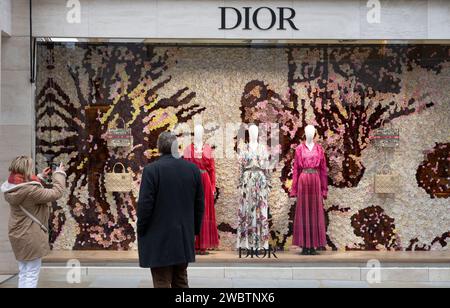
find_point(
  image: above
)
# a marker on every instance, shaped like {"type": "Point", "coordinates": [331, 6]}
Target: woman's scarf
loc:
{"type": "Point", "coordinates": [16, 179]}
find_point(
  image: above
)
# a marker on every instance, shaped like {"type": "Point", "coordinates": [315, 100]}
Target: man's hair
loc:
{"type": "Point", "coordinates": [166, 142]}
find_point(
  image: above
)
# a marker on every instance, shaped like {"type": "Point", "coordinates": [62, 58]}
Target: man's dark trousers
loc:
{"type": "Point", "coordinates": [170, 277]}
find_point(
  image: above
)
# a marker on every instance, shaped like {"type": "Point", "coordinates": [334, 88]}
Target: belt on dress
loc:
{"type": "Point", "coordinates": [310, 171]}
{"type": "Point", "coordinates": [254, 169]}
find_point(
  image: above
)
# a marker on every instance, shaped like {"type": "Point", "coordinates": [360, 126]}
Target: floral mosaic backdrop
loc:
{"type": "Point", "coordinates": [348, 92]}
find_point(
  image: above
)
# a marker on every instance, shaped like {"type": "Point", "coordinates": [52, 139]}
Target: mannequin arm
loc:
{"type": "Point", "coordinates": [199, 209]}
{"type": "Point", "coordinates": [323, 176]}
{"type": "Point", "coordinates": [267, 169]}
{"type": "Point", "coordinates": [212, 174]}
{"type": "Point", "coordinates": [241, 168]}
{"type": "Point", "coordinates": [295, 174]}
{"type": "Point", "coordinates": [210, 165]}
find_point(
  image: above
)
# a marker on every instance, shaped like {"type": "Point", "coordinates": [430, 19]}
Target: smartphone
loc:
{"type": "Point", "coordinates": [53, 166]}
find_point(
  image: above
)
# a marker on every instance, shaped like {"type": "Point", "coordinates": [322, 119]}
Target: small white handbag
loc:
{"type": "Point", "coordinates": [119, 182]}
{"type": "Point", "coordinates": [387, 182]}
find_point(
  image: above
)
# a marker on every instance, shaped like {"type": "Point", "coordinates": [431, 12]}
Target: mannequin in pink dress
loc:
{"type": "Point", "coordinates": [310, 187]}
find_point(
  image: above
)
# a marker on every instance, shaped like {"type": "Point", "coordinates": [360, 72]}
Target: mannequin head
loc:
{"type": "Point", "coordinates": [253, 132]}
{"type": "Point", "coordinates": [310, 132]}
{"type": "Point", "coordinates": [198, 134]}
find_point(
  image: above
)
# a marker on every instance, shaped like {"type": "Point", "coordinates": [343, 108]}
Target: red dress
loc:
{"type": "Point", "coordinates": [209, 236]}
{"type": "Point", "coordinates": [310, 186]}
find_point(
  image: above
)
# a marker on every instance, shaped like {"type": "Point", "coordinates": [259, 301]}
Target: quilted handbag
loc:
{"type": "Point", "coordinates": [386, 137]}
{"type": "Point", "coordinates": [387, 182]}
{"type": "Point", "coordinates": [118, 182]}
{"type": "Point", "coordinates": [119, 137]}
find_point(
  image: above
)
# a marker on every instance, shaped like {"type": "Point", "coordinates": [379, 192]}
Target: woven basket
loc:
{"type": "Point", "coordinates": [118, 182]}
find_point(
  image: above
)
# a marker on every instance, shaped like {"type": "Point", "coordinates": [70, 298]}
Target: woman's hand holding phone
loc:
{"type": "Point", "coordinates": [47, 172]}
{"type": "Point", "coordinates": [61, 168]}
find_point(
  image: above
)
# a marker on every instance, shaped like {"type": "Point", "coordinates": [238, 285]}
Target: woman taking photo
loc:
{"type": "Point", "coordinates": [29, 197]}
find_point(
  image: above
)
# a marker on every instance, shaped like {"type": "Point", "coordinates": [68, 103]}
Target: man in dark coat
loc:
{"type": "Point", "coordinates": [170, 212]}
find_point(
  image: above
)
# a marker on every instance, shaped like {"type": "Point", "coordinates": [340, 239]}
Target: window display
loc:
{"type": "Point", "coordinates": [348, 92]}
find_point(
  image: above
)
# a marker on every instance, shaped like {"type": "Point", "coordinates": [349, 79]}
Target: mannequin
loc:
{"type": "Point", "coordinates": [310, 187]}
{"type": "Point", "coordinates": [198, 138]}
{"type": "Point", "coordinates": [201, 155]}
{"type": "Point", "coordinates": [254, 187]}
{"type": "Point", "coordinates": [310, 132]}
{"type": "Point", "coordinates": [253, 134]}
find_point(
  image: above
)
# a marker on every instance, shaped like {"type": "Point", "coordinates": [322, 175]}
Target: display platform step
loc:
{"type": "Point", "coordinates": [286, 258]}
{"type": "Point", "coordinates": [246, 277]}
{"type": "Point", "coordinates": [224, 269]}
{"type": "Point", "coordinates": [4, 278]}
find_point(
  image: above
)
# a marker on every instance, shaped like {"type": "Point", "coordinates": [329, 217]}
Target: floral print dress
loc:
{"type": "Point", "coordinates": [254, 187]}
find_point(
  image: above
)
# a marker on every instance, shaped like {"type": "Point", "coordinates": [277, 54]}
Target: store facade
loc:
{"type": "Point", "coordinates": [350, 68]}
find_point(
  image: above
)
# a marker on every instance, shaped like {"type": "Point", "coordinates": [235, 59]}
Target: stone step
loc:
{"type": "Point", "coordinates": [243, 277]}
{"type": "Point", "coordinates": [385, 274]}
{"type": "Point", "coordinates": [344, 258]}
{"type": "Point", "coordinates": [4, 278]}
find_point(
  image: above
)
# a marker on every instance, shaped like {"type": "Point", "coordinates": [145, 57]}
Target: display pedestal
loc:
{"type": "Point", "coordinates": [284, 258]}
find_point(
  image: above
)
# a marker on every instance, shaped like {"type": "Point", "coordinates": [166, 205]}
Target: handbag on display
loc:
{"type": "Point", "coordinates": [119, 137]}
{"type": "Point", "coordinates": [386, 137]}
{"type": "Point", "coordinates": [118, 182]}
{"type": "Point", "coordinates": [386, 182]}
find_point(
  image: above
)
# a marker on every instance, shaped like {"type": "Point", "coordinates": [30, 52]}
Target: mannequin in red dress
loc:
{"type": "Point", "coordinates": [310, 187]}
{"type": "Point", "coordinates": [201, 155]}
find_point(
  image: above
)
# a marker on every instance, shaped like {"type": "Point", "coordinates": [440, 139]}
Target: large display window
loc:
{"type": "Point", "coordinates": [354, 96]}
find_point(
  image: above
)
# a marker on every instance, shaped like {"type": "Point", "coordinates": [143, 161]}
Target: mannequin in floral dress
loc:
{"type": "Point", "coordinates": [310, 187]}
{"type": "Point", "coordinates": [254, 186]}
{"type": "Point", "coordinates": [201, 155]}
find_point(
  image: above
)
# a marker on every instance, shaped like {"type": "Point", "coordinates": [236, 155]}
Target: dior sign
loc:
{"type": "Point", "coordinates": [262, 18]}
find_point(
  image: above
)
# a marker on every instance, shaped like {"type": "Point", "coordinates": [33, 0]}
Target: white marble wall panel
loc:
{"type": "Point", "coordinates": [16, 140]}
{"type": "Point", "coordinates": [399, 19]}
{"type": "Point", "coordinates": [16, 93]}
{"type": "Point", "coordinates": [438, 19]}
{"type": "Point", "coordinates": [118, 18]}
{"type": "Point", "coordinates": [175, 19]}
{"type": "Point", "coordinates": [17, 98]}
{"type": "Point", "coordinates": [323, 19]}
{"type": "Point", "coordinates": [57, 12]}
{"type": "Point", "coordinates": [20, 18]}
{"type": "Point", "coordinates": [5, 16]}
{"type": "Point", "coordinates": [16, 54]}
{"type": "Point", "coordinates": [328, 19]}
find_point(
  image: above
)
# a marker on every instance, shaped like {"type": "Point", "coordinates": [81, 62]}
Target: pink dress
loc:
{"type": "Point", "coordinates": [209, 236]}
{"type": "Point", "coordinates": [310, 186]}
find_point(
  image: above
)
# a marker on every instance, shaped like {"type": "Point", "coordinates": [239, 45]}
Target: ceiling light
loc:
{"type": "Point", "coordinates": [63, 40]}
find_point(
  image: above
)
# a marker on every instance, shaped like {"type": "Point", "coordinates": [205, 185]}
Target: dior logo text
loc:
{"type": "Point", "coordinates": [257, 253]}
{"type": "Point", "coordinates": [262, 18]}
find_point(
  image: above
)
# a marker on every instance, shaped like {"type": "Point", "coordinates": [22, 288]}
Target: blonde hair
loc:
{"type": "Point", "coordinates": [22, 165]}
